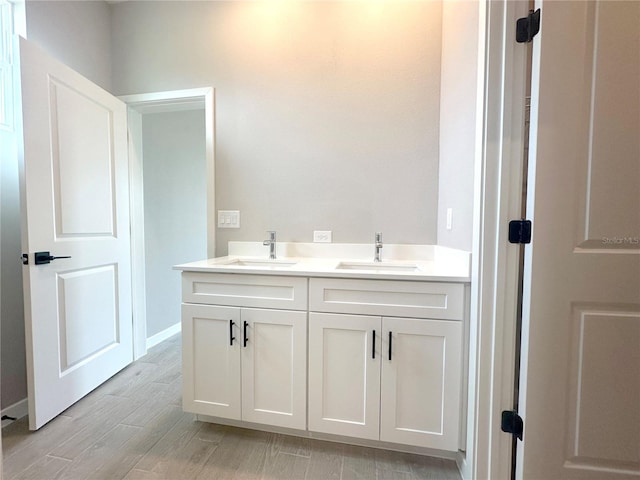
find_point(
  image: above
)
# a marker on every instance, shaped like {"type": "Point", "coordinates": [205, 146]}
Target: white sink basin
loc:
{"type": "Point", "coordinates": [378, 266]}
{"type": "Point", "coordinates": [260, 263]}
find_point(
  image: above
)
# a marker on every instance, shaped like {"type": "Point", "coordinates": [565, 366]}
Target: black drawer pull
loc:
{"type": "Point", "coordinates": [245, 339]}
{"type": "Point", "coordinates": [390, 340]}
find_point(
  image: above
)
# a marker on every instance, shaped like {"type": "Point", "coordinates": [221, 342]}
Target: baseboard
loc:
{"type": "Point", "coordinates": [163, 335]}
{"type": "Point", "coordinates": [17, 410]}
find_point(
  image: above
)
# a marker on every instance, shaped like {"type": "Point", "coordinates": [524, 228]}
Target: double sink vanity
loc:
{"type": "Point", "coordinates": [324, 342]}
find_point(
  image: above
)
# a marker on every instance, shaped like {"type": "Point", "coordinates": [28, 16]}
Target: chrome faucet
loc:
{"type": "Point", "coordinates": [272, 244]}
{"type": "Point", "coordinates": [378, 257]}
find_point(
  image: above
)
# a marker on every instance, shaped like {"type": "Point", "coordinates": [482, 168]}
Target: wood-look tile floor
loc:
{"type": "Point", "coordinates": [133, 427]}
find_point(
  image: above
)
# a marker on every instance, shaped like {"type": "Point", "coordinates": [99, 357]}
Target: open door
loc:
{"type": "Point", "coordinates": [580, 384]}
{"type": "Point", "coordinates": [75, 206]}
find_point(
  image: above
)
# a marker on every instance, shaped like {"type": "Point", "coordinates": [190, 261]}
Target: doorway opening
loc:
{"type": "Point", "coordinates": [171, 169]}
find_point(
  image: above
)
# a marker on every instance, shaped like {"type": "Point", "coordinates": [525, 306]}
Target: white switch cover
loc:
{"type": "Point", "coordinates": [322, 236]}
{"type": "Point", "coordinates": [228, 219]}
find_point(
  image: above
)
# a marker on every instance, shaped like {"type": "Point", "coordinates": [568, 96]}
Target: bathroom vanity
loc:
{"type": "Point", "coordinates": [323, 342]}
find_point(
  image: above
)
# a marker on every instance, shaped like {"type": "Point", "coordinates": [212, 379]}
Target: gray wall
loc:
{"type": "Point", "coordinates": [327, 112]}
{"type": "Point", "coordinates": [175, 222]}
{"type": "Point", "coordinates": [457, 122]}
{"type": "Point", "coordinates": [78, 33]}
{"type": "Point", "coordinates": [12, 347]}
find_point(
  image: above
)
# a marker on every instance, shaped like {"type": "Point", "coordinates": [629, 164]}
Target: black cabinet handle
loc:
{"type": "Point", "coordinates": [231, 337]}
{"type": "Point", "coordinates": [390, 340]}
{"type": "Point", "coordinates": [245, 339]}
{"type": "Point", "coordinates": [373, 346]}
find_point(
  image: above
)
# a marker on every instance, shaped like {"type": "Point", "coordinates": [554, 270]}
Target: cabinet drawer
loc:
{"type": "Point", "coordinates": [384, 297]}
{"type": "Point", "coordinates": [289, 293]}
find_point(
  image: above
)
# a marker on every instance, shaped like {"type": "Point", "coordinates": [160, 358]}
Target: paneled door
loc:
{"type": "Point", "coordinates": [580, 389]}
{"type": "Point", "coordinates": [75, 196]}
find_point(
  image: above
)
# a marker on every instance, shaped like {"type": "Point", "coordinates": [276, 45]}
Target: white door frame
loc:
{"type": "Point", "coordinates": [495, 264]}
{"type": "Point", "coordinates": [168, 101]}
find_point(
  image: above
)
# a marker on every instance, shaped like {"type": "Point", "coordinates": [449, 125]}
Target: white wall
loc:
{"type": "Point", "coordinates": [327, 113]}
{"type": "Point", "coordinates": [175, 217]}
{"type": "Point", "coordinates": [460, 21]}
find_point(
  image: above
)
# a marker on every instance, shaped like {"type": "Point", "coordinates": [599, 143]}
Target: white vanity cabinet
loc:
{"type": "Point", "coordinates": [354, 356]}
{"type": "Point", "coordinates": [240, 361]}
{"type": "Point", "coordinates": [382, 377]}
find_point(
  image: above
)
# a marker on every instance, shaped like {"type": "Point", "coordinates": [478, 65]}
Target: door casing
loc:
{"type": "Point", "coordinates": [139, 104]}
{"type": "Point", "coordinates": [500, 142]}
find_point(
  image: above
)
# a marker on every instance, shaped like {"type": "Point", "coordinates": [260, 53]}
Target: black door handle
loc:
{"type": "Point", "coordinates": [231, 337]}
{"type": "Point", "coordinates": [42, 258]}
{"type": "Point", "coordinates": [245, 339]}
{"type": "Point", "coordinates": [390, 340]}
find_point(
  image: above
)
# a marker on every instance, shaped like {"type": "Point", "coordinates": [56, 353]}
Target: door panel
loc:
{"type": "Point", "coordinates": [211, 360]}
{"type": "Point", "coordinates": [83, 191]}
{"type": "Point", "coordinates": [344, 376]}
{"type": "Point", "coordinates": [597, 429]}
{"type": "Point", "coordinates": [580, 383]}
{"type": "Point", "coordinates": [274, 367]}
{"type": "Point", "coordinates": [609, 122]}
{"type": "Point", "coordinates": [75, 192]}
{"type": "Point", "coordinates": [420, 401]}
{"type": "Point", "coordinates": [84, 294]}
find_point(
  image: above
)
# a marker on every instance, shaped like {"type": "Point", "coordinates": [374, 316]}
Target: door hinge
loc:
{"type": "Point", "coordinates": [512, 423]}
{"type": "Point", "coordinates": [520, 231]}
{"type": "Point", "coordinates": [528, 27]}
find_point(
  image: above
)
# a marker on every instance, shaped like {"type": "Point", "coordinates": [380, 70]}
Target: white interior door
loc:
{"type": "Point", "coordinates": [580, 390]}
{"type": "Point", "coordinates": [75, 203]}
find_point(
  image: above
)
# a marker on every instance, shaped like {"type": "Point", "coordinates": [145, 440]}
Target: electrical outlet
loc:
{"type": "Point", "coordinates": [228, 219]}
{"type": "Point", "coordinates": [322, 236]}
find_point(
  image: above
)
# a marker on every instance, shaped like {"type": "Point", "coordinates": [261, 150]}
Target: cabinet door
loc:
{"type": "Point", "coordinates": [274, 367]}
{"type": "Point", "coordinates": [420, 401]}
{"type": "Point", "coordinates": [211, 360]}
{"type": "Point", "coordinates": [344, 374]}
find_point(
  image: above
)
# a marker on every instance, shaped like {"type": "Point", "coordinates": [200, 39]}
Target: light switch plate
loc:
{"type": "Point", "coordinates": [228, 219]}
{"type": "Point", "coordinates": [322, 236]}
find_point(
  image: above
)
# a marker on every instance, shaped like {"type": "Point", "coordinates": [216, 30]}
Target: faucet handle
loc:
{"type": "Point", "coordinates": [378, 237]}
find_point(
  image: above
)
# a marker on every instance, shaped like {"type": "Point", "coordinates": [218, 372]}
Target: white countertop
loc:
{"type": "Point", "coordinates": [399, 262]}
